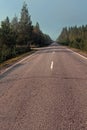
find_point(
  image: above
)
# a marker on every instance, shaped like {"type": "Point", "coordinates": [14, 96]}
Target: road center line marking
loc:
{"type": "Point", "coordinates": [51, 67]}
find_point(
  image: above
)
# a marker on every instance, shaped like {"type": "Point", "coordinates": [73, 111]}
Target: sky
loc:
{"type": "Point", "coordinates": [52, 15]}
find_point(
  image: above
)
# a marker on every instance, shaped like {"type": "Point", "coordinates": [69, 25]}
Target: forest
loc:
{"type": "Point", "coordinates": [18, 35]}
{"type": "Point", "coordinates": [75, 37]}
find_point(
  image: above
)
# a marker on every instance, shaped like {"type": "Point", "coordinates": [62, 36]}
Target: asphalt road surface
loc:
{"type": "Point", "coordinates": [46, 91]}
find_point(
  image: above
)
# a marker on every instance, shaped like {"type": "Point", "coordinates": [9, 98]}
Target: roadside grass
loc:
{"type": "Point", "coordinates": [11, 61]}
{"type": "Point", "coordinates": [84, 53]}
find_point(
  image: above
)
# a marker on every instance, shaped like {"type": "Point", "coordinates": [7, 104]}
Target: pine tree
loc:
{"type": "Point", "coordinates": [25, 27]}
{"type": "Point", "coordinates": [7, 37]}
{"type": "Point", "coordinates": [75, 37]}
{"type": "Point", "coordinates": [15, 23]}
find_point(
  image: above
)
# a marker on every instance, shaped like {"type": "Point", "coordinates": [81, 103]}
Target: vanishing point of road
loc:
{"type": "Point", "coordinates": [45, 91]}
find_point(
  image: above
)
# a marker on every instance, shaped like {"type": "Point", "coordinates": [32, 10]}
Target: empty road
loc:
{"type": "Point", "coordinates": [46, 91]}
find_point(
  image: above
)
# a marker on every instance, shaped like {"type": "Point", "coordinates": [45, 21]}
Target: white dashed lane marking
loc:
{"type": "Point", "coordinates": [51, 67]}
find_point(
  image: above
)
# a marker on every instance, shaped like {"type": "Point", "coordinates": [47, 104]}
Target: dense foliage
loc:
{"type": "Point", "coordinates": [74, 36]}
{"type": "Point", "coordinates": [39, 38]}
{"type": "Point", "coordinates": [17, 36]}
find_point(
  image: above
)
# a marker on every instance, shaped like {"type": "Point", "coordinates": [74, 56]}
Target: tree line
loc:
{"type": "Point", "coordinates": [18, 35]}
{"type": "Point", "coordinates": [74, 37]}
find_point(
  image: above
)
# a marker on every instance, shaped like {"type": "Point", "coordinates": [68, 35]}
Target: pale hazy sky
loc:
{"type": "Point", "coordinates": [52, 15]}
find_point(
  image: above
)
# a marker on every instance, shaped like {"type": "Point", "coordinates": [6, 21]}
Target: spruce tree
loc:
{"type": "Point", "coordinates": [25, 27]}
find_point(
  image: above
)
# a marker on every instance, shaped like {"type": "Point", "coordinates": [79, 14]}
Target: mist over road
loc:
{"type": "Point", "coordinates": [47, 91]}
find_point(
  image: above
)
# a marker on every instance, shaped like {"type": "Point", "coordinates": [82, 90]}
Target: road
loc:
{"type": "Point", "coordinates": [46, 91]}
